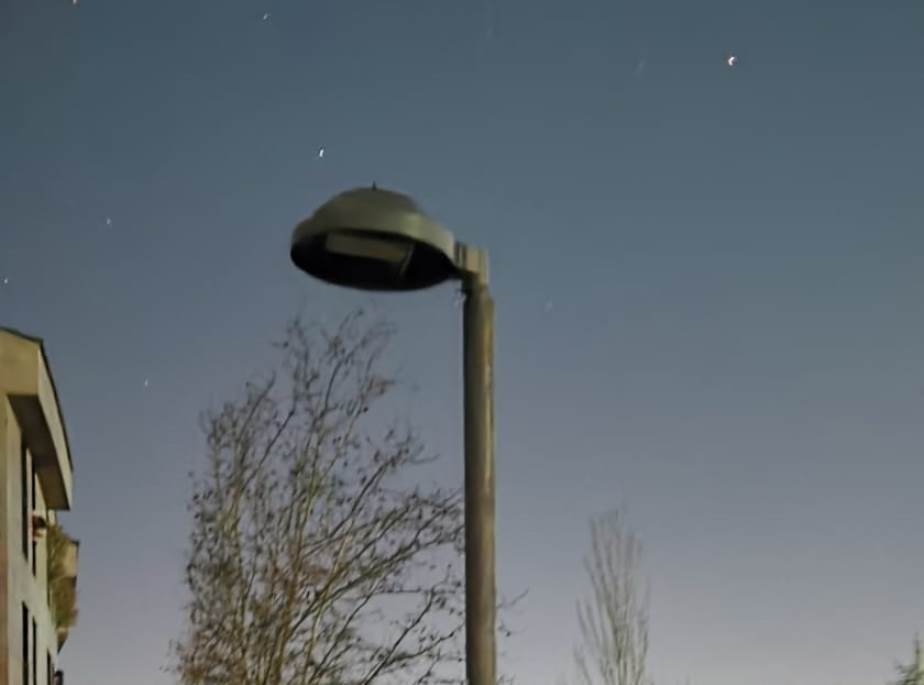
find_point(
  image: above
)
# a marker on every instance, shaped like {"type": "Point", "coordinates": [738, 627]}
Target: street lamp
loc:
{"type": "Point", "coordinates": [375, 239]}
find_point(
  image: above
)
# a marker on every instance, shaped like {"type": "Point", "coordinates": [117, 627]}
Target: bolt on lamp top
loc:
{"type": "Point", "coordinates": [374, 239]}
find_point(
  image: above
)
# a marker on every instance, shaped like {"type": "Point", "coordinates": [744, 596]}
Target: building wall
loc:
{"type": "Point", "coordinates": [21, 586]}
{"type": "Point", "coordinates": [9, 433]}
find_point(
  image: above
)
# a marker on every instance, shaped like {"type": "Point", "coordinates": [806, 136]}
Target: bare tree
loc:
{"type": "Point", "coordinates": [311, 559]}
{"type": "Point", "coordinates": [613, 619]}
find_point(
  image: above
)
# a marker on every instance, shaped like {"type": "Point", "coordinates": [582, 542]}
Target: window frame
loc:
{"type": "Point", "coordinates": [24, 496]}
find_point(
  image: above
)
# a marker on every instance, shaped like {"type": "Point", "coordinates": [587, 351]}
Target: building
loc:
{"type": "Point", "coordinates": [38, 561]}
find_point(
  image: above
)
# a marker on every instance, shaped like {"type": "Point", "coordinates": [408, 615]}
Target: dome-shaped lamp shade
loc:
{"type": "Point", "coordinates": [374, 239]}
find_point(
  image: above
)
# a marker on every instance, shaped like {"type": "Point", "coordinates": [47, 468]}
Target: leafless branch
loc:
{"type": "Point", "coordinates": [613, 619]}
{"type": "Point", "coordinates": [311, 562]}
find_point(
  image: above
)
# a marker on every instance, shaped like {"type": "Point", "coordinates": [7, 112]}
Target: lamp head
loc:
{"type": "Point", "coordinates": [374, 239]}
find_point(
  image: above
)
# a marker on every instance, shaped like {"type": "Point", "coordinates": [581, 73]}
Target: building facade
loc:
{"type": "Point", "coordinates": [38, 561]}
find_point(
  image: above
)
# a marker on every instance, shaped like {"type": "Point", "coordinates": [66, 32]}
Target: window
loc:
{"type": "Point", "coordinates": [34, 652]}
{"type": "Point", "coordinates": [24, 497]}
{"type": "Point", "coordinates": [25, 645]}
{"type": "Point", "coordinates": [31, 512]}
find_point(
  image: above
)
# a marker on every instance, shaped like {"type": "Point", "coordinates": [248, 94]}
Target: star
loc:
{"type": "Point", "coordinates": [108, 221]}
{"type": "Point", "coordinates": [321, 153]}
{"type": "Point", "coordinates": [732, 60]}
{"type": "Point", "coordinates": [146, 382]}
{"type": "Point", "coordinates": [266, 16]}
{"type": "Point", "coordinates": [6, 280]}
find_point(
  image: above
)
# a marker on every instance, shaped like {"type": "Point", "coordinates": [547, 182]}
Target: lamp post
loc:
{"type": "Point", "coordinates": [375, 239]}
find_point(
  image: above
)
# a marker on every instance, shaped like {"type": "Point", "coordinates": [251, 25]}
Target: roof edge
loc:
{"type": "Point", "coordinates": [51, 379]}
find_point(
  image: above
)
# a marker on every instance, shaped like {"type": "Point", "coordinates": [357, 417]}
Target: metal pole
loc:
{"type": "Point", "coordinates": [480, 593]}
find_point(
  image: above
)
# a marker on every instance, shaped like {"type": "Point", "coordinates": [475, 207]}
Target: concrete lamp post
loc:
{"type": "Point", "coordinates": [375, 239]}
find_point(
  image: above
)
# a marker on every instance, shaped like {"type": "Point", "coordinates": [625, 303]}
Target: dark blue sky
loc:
{"type": "Point", "coordinates": [708, 284]}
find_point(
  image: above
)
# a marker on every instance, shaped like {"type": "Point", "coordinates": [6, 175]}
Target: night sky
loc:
{"type": "Point", "coordinates": [708, 283]}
